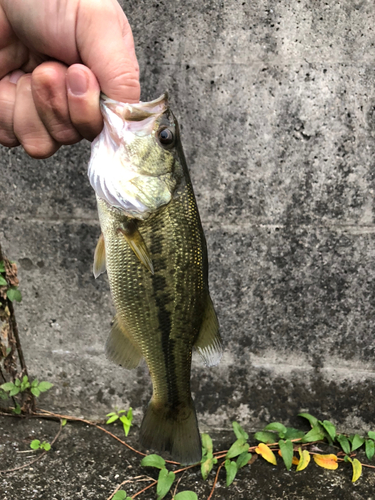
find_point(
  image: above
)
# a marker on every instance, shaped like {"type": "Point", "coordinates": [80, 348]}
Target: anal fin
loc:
{"type": "Point", "coordinates": [99, 266]}
{"type": "Point", "coordinates": [121, 347]}
{"type": "Point", "coordinates": [208, 343]}
{"type": "Point", "coordinates": [137, 244]}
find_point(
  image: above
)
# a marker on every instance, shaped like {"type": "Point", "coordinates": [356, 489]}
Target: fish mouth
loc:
{"type": "Point", "coordinates": [139, 111]}
{"type": "Point", "coordinates": [112, 175]}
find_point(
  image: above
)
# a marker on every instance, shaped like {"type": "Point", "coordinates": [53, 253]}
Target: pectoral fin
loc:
{"type": "Point", "coordinates": [137, 244]}
{"type": "Point", "coordinates": [121, 347]}
{"type": "Point", "coordinates": [99, 266]}
{"type": "Point", "coordinates": [208, 343]}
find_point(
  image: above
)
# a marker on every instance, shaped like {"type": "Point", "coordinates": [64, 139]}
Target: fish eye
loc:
{"type": "Point", "coordinates": [166, 136]}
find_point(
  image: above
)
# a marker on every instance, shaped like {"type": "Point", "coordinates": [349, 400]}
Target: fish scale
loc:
{"type": "Point", "coordinates": [158, 274]}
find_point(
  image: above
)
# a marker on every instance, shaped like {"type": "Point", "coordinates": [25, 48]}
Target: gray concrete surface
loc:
{"type": "Point", "coordinates": [276, 104]}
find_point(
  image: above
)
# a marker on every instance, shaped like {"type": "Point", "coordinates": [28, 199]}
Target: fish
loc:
{"type": "Point", "coordinates": [154, 251]}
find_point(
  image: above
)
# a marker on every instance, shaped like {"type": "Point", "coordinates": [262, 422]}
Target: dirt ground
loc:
{"type": "Point", "coordinates": [85, 463]}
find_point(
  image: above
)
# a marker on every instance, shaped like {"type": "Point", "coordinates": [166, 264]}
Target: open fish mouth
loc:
{"type": "Point", "coordinates": [115, 171]}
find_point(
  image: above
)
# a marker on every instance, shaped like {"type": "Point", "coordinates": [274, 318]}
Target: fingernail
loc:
{"type": "Point", "coordinates": [14, 76]}
{"type": "Point", "coordinates": [77, 83]}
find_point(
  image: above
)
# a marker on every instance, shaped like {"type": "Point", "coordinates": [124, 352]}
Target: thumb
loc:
{"type": "Point", "coordinates": [106, 45]}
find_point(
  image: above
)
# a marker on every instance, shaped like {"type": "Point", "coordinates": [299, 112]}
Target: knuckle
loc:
{"type": "Point", "coordinates": [8, 140]}
{"type": "Point", "coordinates": [39, 149]}
{"type": "Point", "coordinates": [65, 135]}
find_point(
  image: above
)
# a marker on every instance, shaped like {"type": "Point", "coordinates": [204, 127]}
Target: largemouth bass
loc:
{"type": "Point", "coordinates": [154, 250]}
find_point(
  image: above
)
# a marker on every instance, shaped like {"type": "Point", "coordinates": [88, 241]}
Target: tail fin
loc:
{"type": "Point", "coordinates": [172, 429]}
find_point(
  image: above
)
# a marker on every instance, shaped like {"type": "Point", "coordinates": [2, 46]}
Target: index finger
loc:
{"type": "Point", "coordinates": [12, 52]}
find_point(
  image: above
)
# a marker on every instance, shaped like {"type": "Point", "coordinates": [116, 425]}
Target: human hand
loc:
{"type": "Point", "coordinates": [55, 57]}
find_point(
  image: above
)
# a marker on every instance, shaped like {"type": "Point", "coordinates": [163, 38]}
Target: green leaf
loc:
{"type": "Point", "coordinates": [286, 448]}
{"type": "Point", "coordinates": [186, 495]}
{"type": "Point", "coordinates": [129, 415]}
{"type": "Point", "coordinates": [243, 459]}
{"type": "Point", "coordinates": [63, 422]}
{"type": "Point", "coordinates": [206, 467]}
{"type": "Point", "coordinates": [231, 469]}
{"type": "Point", "coordinates": [112, 419]}
{"type": "Point", "coordinates": [357, 442]}
{"type": "Point", "coordinates": [292, 433]}
{"type": "Point", "coordinates": [370, 448]}
{"type": "Point", "coordinates": [44, 386]}
{"type": "Point", "coordinates": [8, 386]}
{"type": "Point", "coordinates": [3, 395]}
{"type": "Point", "coordinates": [17, 382]}
{"type": "Point", "coordinates": [17, 409]}
{"type": "Point", "coordinates": [239, 432]}
{"type": "Point", "coordinates": [207, 444]}
{"type": "Point", "coordinates": [165, 481]}
{"type": "Point", "coordinates": [35, 383]}
{"type": "Point", "coordinates": [153, 461]}
{"type": "Point", "coordinates": [119, 495]}
{"type": "Point", "coordinates": [126, 428]}
{"type": "Point", "coordinates": [266, 437]}
{"type": "Point", "coordinates": [14, 391]}
{"type": "Point", "coordinates": [276, 426]}
{"type": "Point", "coordinates": [371, 434]}
{"type": "Point", "coordinates": [344, 443]}
{"type": "Point", "coordinates": [25, 385]}
{"type": "Point", "coordinates": [330, 428]}
{"type": "Point", "coordinates": [316, 434]}
{"type": "Point", "coordinates": [3, 281]}
{"type": "Point", "coordinates": [45, 446]}
{"type": "Point", "coordinates": [237, 448]}
{"type": "Point", "coordinates": [14, 294]}
{"type": "Point", "coordinates": [35, 391]}
{"type": "Point", "coordinates": [313, 421]}
{"type": "Point", "coordinates": [111, 414]}
{"type": "Point", "coordinates": [2, 266]}
{"type": "Point", "coordinates": [35, 444]}
{"type": "Point", "coordinates": [126, 424]}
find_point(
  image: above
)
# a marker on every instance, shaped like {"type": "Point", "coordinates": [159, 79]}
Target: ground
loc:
{"type": "Point", "coordinates": [85, 463]}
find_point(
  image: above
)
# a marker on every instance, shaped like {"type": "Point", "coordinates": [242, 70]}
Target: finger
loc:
{"type": "Point", "coordinates": [110, 56]}
{"type": "Point", "coordinates": [7, 100]}
{"type": "Point", "coordinates": [13, 54]}
{"type": "Point", "coordinates": [83, 100]}
{"type": "Point", "coordinates": [28, 127]}
{"type": "Point", "coordinates": [48, 85]}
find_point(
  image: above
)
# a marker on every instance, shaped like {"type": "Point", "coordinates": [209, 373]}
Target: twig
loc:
{"type": "Point", "coordinates": [186, 468]}
{"type": "Point", "coordinates": [144, 489]}
{"type": "Point", "coordinates": [88, 422]}
{"type": "Point", "coordinates": [215, 481]}
{"type": "Point", "coordinates": [36, 459]}
{"type": "Point", "coordinates": [137, 479]}
{"type": "Point", "coordinates": [178, 482]}
{"type": "Point", "coordinates": [17, 337]}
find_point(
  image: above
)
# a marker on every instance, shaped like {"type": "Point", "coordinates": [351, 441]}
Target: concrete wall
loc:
{"type": "Point", "coordinates": [276, 103]}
